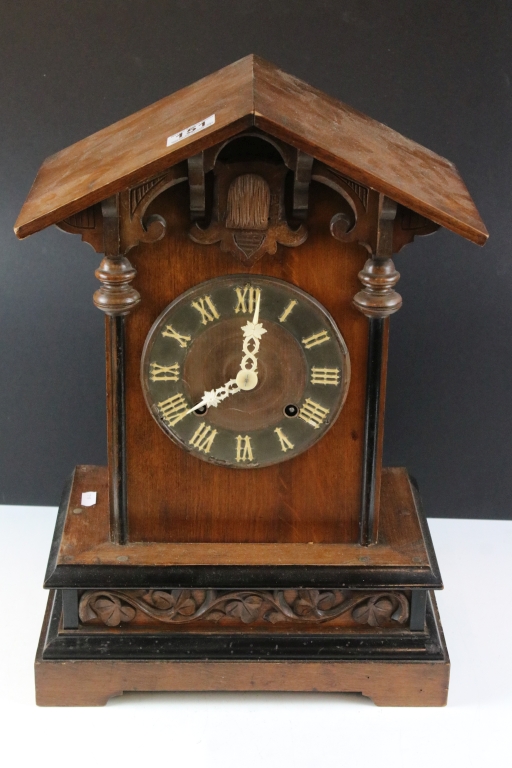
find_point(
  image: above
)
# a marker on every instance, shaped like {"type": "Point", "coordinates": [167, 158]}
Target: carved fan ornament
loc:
{"type": "Point", "coordinates": [295, 606]}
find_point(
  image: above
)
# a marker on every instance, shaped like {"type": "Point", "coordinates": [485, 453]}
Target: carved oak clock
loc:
{"type": "Point", "coordinates": [245, 535]}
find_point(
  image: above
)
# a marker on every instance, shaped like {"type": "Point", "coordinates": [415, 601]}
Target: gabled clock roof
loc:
{"type": "Point", "coordinates": [250, 92]}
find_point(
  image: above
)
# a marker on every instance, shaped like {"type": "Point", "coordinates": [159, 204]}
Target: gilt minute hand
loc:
{"type": "Point", "coordinates": [247, 377]}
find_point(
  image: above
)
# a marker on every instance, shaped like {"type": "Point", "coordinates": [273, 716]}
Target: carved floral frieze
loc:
{"type": "Point", "coordinates": [293, 606]}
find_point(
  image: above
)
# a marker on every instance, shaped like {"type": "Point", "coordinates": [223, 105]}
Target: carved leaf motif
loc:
{"type": "Point", "coordinates": [180, 601]}
{"type": "Point", "coordinates": [199, 595]}
{"type": "Point", "coordinates": [185, 605]}
{"type": "Point", "coordinates": [86, 612]}
{"type": "Point", "coordinates": [290, 595]}
{"type": "Point", "coordinates": [374, 613]}
{"type": "Point", "coordinates": [112, 612]}
{"type": "Point", "coordinates": [326, 601]}
{"type": "Point", "coordinates": [311, 601]}
{"type": "Point", "coordinates": [246, 608]}
{"type": "Point", "coordinates": [162, 600]}
{"type": "Point", "coordinates": [305, 604]}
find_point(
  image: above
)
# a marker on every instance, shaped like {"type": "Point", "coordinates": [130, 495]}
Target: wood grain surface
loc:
{"type": "Point", "coordinates": [314, 497]}
{"type": "Point", "coordinates": [250, 92]}
{"type": "Point", "coordinates": [86, 536]}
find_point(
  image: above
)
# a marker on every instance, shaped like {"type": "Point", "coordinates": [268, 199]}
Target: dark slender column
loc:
{"type": "Point", "coordinates": [418, 610]}
{"type": "Point", "coordinates": [116, 298]}
{"type": "Point", "coordinates": [70, 608]}
{"type": "Point", "coordinates": [371, 431]}
{"type": "Point", "coordinates": [117, 429]}
{"type": "Point", "coordinates": [378, 300]}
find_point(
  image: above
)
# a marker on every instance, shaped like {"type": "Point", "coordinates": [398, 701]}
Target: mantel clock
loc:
{"type": "Point", "coordinates": [245, 535]}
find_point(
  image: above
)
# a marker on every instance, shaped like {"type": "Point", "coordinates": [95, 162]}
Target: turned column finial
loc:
{"type": "Point", "coordinates": [378, 299]}
{"type": "Point", "coordinates": [116, 297]}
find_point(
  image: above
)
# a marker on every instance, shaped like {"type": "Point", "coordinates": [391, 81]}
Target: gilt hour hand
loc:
{"type": "Point", "coordinates": [247, 377]}
{"type": "Point", "coordinates": [213, 397]}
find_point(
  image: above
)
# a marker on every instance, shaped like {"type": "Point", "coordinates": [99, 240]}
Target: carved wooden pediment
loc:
{"type": "Point", "coordinates": [248, 215]}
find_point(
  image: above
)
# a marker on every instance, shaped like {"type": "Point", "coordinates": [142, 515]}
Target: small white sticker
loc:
{"type": "Point", "coordinates": [89, 499]}
{"type": "Point", "coordinates": [190, 130]}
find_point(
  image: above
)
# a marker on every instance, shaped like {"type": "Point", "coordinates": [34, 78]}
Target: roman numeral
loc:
{"type": "Point", "coordinates": [247, 298]}
{"type": "Point", "coordinates": [315, 339]}
{"type": "Point", "coordinates": [203, 438]}
{"type": "Point", "coordinates": [288, 310]}
{"type": "Point", "coordinates": [206, 309]}
{"type": "Point", "coordinates": [285, 443]}
{"type": "Point", "coordinates": [173, 409]}
{"type": "Point", "coordinates": [313, 413]}
{"type": "Point", "coordinates": [164, 372]}
{"type": "Point", "coordinates": [243, 448]}
{"type": "Point", "coordinates": [325, 375]}
{"type": "Point", "coordinates": [172, 334]}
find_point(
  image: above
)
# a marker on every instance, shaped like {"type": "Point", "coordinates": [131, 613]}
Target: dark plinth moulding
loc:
{"type": "Point", "coordinates": [68, 576]}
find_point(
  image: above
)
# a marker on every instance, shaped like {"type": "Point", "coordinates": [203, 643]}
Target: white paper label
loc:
{"type": "Point", "coordinates": [190, 130]}
{"type": "Point", "coordinates": [89, 499]}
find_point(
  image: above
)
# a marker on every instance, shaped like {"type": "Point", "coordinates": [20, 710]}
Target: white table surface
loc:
{"type": "Point", "coordinates": [260, 729]}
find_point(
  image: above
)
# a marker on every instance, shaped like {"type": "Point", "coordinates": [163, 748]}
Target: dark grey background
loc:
{"type": "Point", "coordinates": [437, 71]}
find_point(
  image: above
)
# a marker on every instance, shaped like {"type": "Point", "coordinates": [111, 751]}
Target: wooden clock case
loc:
{"type": "Point", "coordinates": [313, 574]}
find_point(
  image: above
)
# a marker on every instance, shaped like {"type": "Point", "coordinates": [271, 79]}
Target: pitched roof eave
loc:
{"type": "Point", "coordinates": [250, 92]}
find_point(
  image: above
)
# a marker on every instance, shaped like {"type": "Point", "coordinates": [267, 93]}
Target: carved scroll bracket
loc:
{"type": "Point", "coordinates": [357, 222]}
{"type": "Point", "coordinates": [378, 299]}
{"type": "Point", "coordinates": [134, 225]}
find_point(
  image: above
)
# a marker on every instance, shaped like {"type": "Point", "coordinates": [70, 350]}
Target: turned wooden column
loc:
{"type": "Point", "coordinates": [378, 300]}
{"type": "Point", "coordinates": [116, 298]}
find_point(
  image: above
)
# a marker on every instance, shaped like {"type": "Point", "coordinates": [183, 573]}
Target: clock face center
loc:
{"type": "Point", "coordinates": [246, 380]}
{"type": "Point", "coordinates": [215, 357]}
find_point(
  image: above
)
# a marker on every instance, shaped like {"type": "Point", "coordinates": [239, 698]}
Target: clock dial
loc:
{"type": "Point", "coordinates": [245, 371]}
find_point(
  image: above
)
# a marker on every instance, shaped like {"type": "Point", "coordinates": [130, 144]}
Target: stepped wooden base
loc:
{"type": "Point", "coordinates": [257, 617]}
{"type": "Point", "coordinates": [92, 682]}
